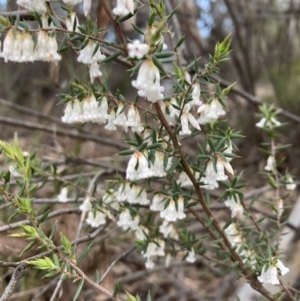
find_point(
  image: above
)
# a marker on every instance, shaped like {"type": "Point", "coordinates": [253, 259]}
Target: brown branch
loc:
{"type": "Point", "coordinates": [87, 279]}
{"type": "Point", "coordinates": [252, 278]}
{"type": "Point", "coordinates": [116, 26]}
{"type": "Point", "coordinates": [16, 276]}
{"type": "Point", "coordinates": [51, 214]}
{"type": "Point", "coordinates": [61, 132]}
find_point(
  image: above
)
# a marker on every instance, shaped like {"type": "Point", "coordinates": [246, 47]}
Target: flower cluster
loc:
{"type": "Point", "coordinates": [132, 193]}
{"type": "Point", "coordinates": [236, 240]}
{"type": "Point", "coordinates": [269, 272]}
{"type": "Point", "coordinates": [212, 174]}
{"type": "Point", "coordinates": [86, 110]}
{"type": "Point", "coordinates": [155, 248]}
{"type": "Point", "coordinates": [210, 112]}
{"type": "Point", "coordinates": [138, 167]}
{"type": "Point", "coordinates": [268, 123]}
{"type": "Point", "coordinates": [91, 55]}
{"type": "Point", "coordinates": [148, 82]}
{"type": "Point", "coordinates": [91, 110]}
{"type": "Point", "coordinates": [19, 47]}
{"type": "Point", "coordinates": [235, 207]}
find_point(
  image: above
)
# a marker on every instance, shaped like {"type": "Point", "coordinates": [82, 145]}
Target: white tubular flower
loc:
{"type": "Point", "coordinates": [184, 180]}
{"type": "Point", "coordinates": [63, 195]}
{"type": "Point", "coordinates": [168, 230]}
{"type": "Point", "coordinates": [210, 179]}
{"type": "Point", "coordinates": [137, 167]}
{"type": "Point", "coordinates": [171, 214]}
{"type": "Point", "coordinates": [86, 205]}
{"type": "Point", "coordinates": [158, 202]}
{"type": "Point", "coordinates": [87, 6]}
{"type": "Point", "coordinates": [94, 71]}
{"type": "Point", "coordinates": [123, 8]}
{"type": "Point", "coordinates": [137, 49]}
{"type": "Point", "coordinates": [233, 234]}
{"type": "Point", "coordinates": [148, 82]}
{"type": "Point", "coordinates": [121, 118]}
{"type": "Point", "coordinates": [269, 275]}
{"type": "Point", "coordinates": [87, 56]}
{"type": "Point", "coordinates": [8, 46]}
{"type": "Point", "coordinates": [264, 123]}
{"type": "Point", "coordinates": [52, 54]}
{"type": "Point", "coordinates": [102, 115]}
{"type": "Point", "coordinates": [236, 208]}
{"type": "Point", "coordinates": [96, 219]}
{"type": "Point", "coordinates": [111, 121]}
{"type": "Point", "coordinates": [125, 220]}
{"type": "Point", "coordinates": [123, 192]}
{"type": "Point", "coordinates": [210, 112]}
{"type": "Point", "coordinates": [45, 23]}
{"type": "Point", "coordinates": [42, 46]}
{"type": "Point", "coordinates": [73, 112]}
{"type": "Point", "coordinates": [270, 164]}
{"type": "Point", "coordinates": [149, 263]}
{"type": "Point", "coordinates": [155, 249]}
{"type": "Point", "coordinates": [191, 256]}
{"type": "Point", "coordinates": [137, 195]}
{"type": "Point", "coordinates": [89, 107]}
{"type": "Point", "coordinates": [282, 268]}
{"type": "Point", "coordinates": [187, 117]}
{"type": "Point", "coordinates": [109, 198]}
{"type": "Point", "coordinates": [290, 184]}
{"type": "Point", "coordinates": [212, 176]}
{"type": "Point", "coordinates": [196, 95]}
{"type": "Point", "coordinates": [169, 111]}
{"type": "Point", "coordinates": [72, 22]}
{"type": "Point", "coordinates": [134, 119]}
{"type": "Point", "coordinates": [157, 169]}
{"type": "Point", "coordinates": [140, 233]}
{"type": "Point", "coordinates": [28, 48]}
{"type": "Point", "coordinates": [17, 50]}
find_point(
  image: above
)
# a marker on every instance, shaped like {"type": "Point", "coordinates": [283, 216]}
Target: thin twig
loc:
{"type": "Point", "coordinates": [121, 256]}
{"type": "Point", "coordinates": [60, 132]}
{"type": "Point", "coordinates": [16, 276]}
{"type": "Point", "coordinates": [51, 215]}
{"type": "Point", "coordinates": [87, 279]}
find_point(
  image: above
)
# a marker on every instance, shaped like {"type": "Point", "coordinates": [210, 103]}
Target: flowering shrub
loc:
{"type": "Point", "coordinates": [163, 186]}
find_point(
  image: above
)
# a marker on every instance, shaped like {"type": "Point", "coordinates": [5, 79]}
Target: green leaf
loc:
{"type": "Point", "coordinates": [153, 146]}
{"type": "Point", "coordinates": [162, 55]}
{"type": "Point", "coordinates": [97, 277]}
{"type": "Point", "coordinates": [117, 288]}
{"type": "Point", "coordinates": [112, 57]}
{"type": "Point", "coordinates": [151, 19]}
{"type": "Point", "coordinates": [126, 152]}
{"type": "Point", "coordinates": [158, 65]}
{"type": "Point", "coordinates": [44, 216]}
{"type": "Point", "coordinates": [79, 288]}
{"type": "Point", "coordinates": [143, 146]}
{"type": "Point", "coordinates": [84, 253]}
{"type": "Point", "coordinates": [137, 29]}
{"type": "Point", "coordinates": [179, 42]}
